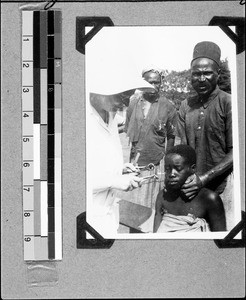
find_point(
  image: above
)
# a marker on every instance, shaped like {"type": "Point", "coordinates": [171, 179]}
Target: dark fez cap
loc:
{"type": "Point", "coordinates": [208, 50]}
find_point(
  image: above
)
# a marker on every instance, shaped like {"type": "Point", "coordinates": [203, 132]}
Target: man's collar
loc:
{"type": "Point", "coordinates": [210, 98]}
{"type": "Point", "coordinates": [156, 100]}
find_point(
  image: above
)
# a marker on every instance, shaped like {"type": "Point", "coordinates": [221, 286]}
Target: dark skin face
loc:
{"type": "Point", "coordinates": [155, 80]}
{"type": "Point", "coordinates": [122, 100]}
{"type": "Point", "coordinates": [204, 76]}
{"type": "Point", "coordinates": [207, 204]}
{"type": "Point", "coordinates": [176, 171]}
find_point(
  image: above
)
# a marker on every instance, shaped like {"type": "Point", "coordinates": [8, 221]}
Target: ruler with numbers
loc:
{"type": "Point", "coordinates": [41, 135]}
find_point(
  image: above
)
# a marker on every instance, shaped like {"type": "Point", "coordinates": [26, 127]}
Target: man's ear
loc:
{"type": "Point", "coordinates": [219, 72]}
{"type": "Point", "coordinates": [193, 168]}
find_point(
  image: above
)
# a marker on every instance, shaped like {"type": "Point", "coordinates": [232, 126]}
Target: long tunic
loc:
{"type": "Point", "coordinates": [207, 127]}
{"type": "Point", "coordinates": [148, 134]}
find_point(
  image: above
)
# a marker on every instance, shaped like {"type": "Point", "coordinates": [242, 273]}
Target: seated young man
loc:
{"type": "Point", "coordinates": [176, 213]}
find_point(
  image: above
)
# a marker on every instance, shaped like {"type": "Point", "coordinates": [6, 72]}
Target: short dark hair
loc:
{"type": "Point", "coordinates": [187, 152]}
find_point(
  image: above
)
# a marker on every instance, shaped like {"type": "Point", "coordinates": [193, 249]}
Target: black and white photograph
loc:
{"type": "Point", "coordinates": [161, 132]}
{"type": "Point", "coordinates": [122, 149]}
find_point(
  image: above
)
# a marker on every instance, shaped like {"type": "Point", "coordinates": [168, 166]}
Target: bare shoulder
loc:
{"type": "Point", "coordinates": [210, 197]}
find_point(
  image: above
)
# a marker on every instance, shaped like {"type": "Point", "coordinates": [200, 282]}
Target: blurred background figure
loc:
{"type": "Point", "coordinates": [150, 127]}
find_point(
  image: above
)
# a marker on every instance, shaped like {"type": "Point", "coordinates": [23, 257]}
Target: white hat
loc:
{"type": "Point", "coordinates": [117, 86]}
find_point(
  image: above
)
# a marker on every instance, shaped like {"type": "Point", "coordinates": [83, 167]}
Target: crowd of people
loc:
{"type": "Point", "coordinates": [189, 185]}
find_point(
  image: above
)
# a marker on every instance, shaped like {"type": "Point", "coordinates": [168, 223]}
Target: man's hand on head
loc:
{"type": "Point", "coordinates": [192, 186]}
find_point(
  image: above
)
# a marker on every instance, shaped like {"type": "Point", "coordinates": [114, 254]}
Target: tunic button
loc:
{"type": "Point", "coordinates": [202, 112]}
{"type": "Point", "coordinates": [199, 127]}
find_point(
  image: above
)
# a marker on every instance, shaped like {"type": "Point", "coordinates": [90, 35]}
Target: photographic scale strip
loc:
{"type": "Point", "coordinates": [41, 134]}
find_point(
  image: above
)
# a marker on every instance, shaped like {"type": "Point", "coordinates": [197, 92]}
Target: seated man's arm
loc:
{"type": "Point", "coordinates": [158, 211]}
{"type": "Point", "coordinates": [215, 211]}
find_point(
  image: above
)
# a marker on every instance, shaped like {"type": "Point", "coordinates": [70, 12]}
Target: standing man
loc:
{"type": "Point", "coordinates": [150, 126]}
{"type": "Point", "coordinates": [205, 123]}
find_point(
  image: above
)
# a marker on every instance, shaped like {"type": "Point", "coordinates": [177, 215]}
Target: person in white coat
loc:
{"type": "Point", "coordinates": [106, 172]}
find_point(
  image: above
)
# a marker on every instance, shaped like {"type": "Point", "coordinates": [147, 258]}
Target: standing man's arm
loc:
{"type": "Point", "coordinates": [225, 164]}
{"type": "Point", "coordinates": [158, 210]}
{"type": "Point", "coordinates": [197, 182]}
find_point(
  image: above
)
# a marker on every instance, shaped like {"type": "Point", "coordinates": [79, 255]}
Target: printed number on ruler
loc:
{"type": "Point", "coordinates": [27, 134]}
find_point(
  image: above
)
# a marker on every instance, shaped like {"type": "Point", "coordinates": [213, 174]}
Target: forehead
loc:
{"type": "Point", "coordinates": [204, 63]}
{"type": "Point", "coordinates": [174, 158]}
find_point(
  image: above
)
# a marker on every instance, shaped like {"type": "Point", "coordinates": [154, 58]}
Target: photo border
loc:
{"type": "Point", "coordinates": [210, 235]}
